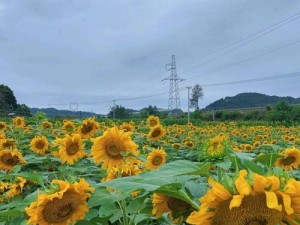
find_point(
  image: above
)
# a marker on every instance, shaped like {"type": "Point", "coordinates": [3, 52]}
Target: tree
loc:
{"type": "Point", "coordinates": [23, 110]}
{"type": "Point", "coordinates": [119, 111]}
{"type": "Point", "coordinates": [150, 110]}
{"type": "Point", "coordinates": [197, 92]}
{"type": "Point", "coordinates": [7, 98]}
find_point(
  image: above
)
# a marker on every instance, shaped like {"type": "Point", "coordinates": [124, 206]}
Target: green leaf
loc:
{"type": "Point", "coordinates": [4, 215]}
{"type": "Point", "coordinates": [267, 159]}
{"type": "Point", "coordinates": [254, 167]}
{"type": "Point", "coordinates": [175, 191]}
{"type": "Point", "coordinates": [101, 197]}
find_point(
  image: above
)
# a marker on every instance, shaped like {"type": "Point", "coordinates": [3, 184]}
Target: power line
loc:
{"type": "Point", "coordinates": [281, 76]}
{"type": "Point", "coordinates": [252, 37]}
{"type": "Point", "coordinates": [250, 58]}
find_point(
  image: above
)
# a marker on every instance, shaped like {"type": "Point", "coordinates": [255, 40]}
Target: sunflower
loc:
{"type": "Point", "coordinates": [68, 127]}
{"type": "Point", "coordinates": [156, 133]}
{"type": "Point", "coordinates": [215, 147]}
{"type": "Point", "coordinates": [127, 127]}
{"type": "Point", "coordinates": [3, 188]}
{"type": "Point", "coordinates": [290, 160]}
{"type": "Point", "coordinates": [65, 206]}
{"type": "Point", "coordinates": [46, 125]}
{"type": "Point", "coordinates": [71, 149]}
{"type": "Point", "coordinates": [10, 158]}
{"type": "Point", "coordinates": [153, 121]}
{"type": "Point", "coordinates": [8, 143]}
{"type": "Point", "coordinates": [155, 159]}
{"type": "Point", "coordinates": [19, 122]}
{"type": "Point", "coordinates": [111, 148]}
{"type": "Point", "coordinates": [39, 145]}
{"type": "Point", "coordinates": [261, 200]}
{"type": "Point", "coordinates": [176, 145]}
{"type": "Point", "coordinates": [128, 169]}
{"type": "Point", "coordinates": [189, 144]}
{"type": "Point", "coordinates": [88, 128]}
{"type": "Point", "coordinates": [176, 208]}
{"type": "Point", "coordinates": [3, 126]}
{"type": "Point", "coordinates": [17, 188]}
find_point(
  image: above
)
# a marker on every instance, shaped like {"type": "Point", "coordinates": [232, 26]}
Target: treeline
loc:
{"type": "Point", "coordinates": [278, 112]}
{"type": "Point", "coordinates": [250, 100]}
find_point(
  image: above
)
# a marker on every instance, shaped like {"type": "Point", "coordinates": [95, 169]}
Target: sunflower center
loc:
{"type": "Point", "coordinates": [60, 210]}
{"type": "Point", "coordinates": [8, 159]}
{"type": "Point", "coordinates": [155, 133]}
{"type": "Point", "coordinates": [86, 128]}
{"type": "Point", "coordinates": [252, 211]}
{"type": "Point", "coordinates": [40, 144]}
{"type": "Point", "coordinates": [8, 144]}
{"type": "Point", "coordinates": [72, 149]}
{"type": "Point", "coordinates": [65, 211]}
{"type": "Point", "coordinates": [113, 151]}
{"type": "Point", "coordinates": [157, 160]}
{"type": "Point", "coordinates": [2, 126]}
{"type": "Point", "coordinates": [19, 122]}
{"type": "Point", "coordinates": [152, 123]}
{"type": "Point", "coordinates": [256, 222]}
{"type": "Point", "coordinates": [288, 160]}
{"type": "Point", "coordinates": [177, 204]}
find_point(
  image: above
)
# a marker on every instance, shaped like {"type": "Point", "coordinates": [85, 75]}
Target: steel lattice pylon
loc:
{"type": "Point", "coordinates": [174, 98]}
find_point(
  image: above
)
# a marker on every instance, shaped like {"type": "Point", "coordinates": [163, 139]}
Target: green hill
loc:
{"type": "Point", "coordinates": [249, 100]}
{"type": "Point", "coordinates": [62, 113]}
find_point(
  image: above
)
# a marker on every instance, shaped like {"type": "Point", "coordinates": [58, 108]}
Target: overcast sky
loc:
{"type": "Point", "coordinates": [60, 52]}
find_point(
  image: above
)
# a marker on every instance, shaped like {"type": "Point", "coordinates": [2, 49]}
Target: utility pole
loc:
{"type": "Point", "coordinates": [114, 109]}
{"type": "Point", "coordinates": [174, 97]}
{"type": "Point", "coordinates": [189, 103]}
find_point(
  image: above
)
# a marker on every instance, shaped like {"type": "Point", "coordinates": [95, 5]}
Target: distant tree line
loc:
{"type": "Point", "coordinates": [280, 112]}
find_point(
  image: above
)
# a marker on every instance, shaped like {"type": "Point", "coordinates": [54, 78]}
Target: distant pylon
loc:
{"type": "Point", "coordinates": [174, 97]}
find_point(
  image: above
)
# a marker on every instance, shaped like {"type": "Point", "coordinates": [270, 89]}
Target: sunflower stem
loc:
{"type": "Point", "coordinates": [123, 208]}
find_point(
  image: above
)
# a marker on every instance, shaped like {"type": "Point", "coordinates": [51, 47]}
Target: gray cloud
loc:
{"type": "Point", "coordinates": [57, 52]}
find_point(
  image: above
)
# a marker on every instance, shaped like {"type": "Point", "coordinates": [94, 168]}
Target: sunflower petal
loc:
{"type": "Point", "coordinates": [272, 201]}
{"type": "Point", "coordinates": [236, 201]}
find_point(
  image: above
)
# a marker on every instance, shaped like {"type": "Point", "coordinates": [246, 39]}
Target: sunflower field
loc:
{"type": "Point", "coordinates": [90, 172]}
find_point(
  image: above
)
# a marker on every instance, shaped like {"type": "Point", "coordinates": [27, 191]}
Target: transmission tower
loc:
{"type": "Point", "coordinates": [174, 97]}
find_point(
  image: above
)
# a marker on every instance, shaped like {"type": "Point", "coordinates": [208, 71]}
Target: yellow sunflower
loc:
{"type": "Point", "coordinates": [127, 127]}
{"type": "Point", "coordinates": [3, 126]}
{"type": "Point", "coordinates": [177, 209]}
{"type": "Point", "coordinates": [67, 205]}
{"type": "Point", "coordinates": [261, 200]}
{"type": "Point", "coordinates": [155, 159]}
{"type": "Point", "coordinates": [17, 188]}
{"type": "Point", "coordinates": [153, 121]}
{"type": "Point", "coordinates": [111, 148]}
{"type": "Point", "coordinates": [88, 128]}
{"type": "Point", "coordinates": [156, 133]}
{"type": "Point", "coordinates": [129, 169]}
{"type": "Point", "coordinates": [215, 147]}
{"type": "Point", "coordinates": [19, 122]}
{"type": "Point", "coordinates": [71, 149]}
{"type": "Point", "coordinates": [10, 158]}
{"type": "Point", "coordinates": [46, 125]}
{"type": "Point", "coordinates": [189, 144]}
{"type": "Point", "coordinates": [68, 126]}
{"type": "Point", "coordinates": [39, 145]}
{"type": "Point", "coordinates": [8, 143]}
{"type": "Point", "coordinates": [291, 159]}
{"type": "Point", "coordinates": [3, 188]}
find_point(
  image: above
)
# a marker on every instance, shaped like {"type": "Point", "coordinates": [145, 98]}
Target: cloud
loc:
{"type": "Point", "coordinates": [89, 51]}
